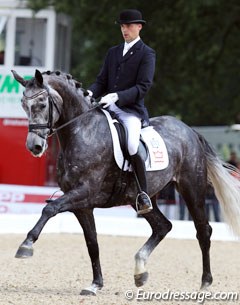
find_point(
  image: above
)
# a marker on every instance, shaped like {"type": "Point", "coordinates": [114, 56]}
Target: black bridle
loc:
{"type": "Point", "coordinates": [51, 104]}
{"type": "Point", "coordinates": [49, 124]}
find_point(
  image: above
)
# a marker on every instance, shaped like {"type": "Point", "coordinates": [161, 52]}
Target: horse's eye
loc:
{"type": "Point", "coordinates": [42, 106]}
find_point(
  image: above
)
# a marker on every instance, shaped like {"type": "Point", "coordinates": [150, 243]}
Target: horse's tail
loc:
{"type": "Point", "coordinates": [225, 180]}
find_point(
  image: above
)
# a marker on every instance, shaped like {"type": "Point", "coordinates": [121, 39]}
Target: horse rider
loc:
{"type": "Point", "coordinates": [122, 83]}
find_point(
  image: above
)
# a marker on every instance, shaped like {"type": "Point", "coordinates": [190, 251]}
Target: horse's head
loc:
{"type": "Point", "coordinates": [43, 106]}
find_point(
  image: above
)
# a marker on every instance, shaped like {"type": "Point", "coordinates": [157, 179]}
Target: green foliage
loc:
{"type": "Point", "coordinates": [197, 45]}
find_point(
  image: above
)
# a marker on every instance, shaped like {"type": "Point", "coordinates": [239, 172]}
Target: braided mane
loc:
{"type": "Point", "coordinates": [66, 77]}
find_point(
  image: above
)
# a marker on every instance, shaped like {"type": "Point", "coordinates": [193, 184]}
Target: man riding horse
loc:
{"type": "Point", "coordinates": [124, 80]}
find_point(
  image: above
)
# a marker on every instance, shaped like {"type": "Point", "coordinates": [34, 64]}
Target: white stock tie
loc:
{"type": "Point", "coordinates": [126, 48]}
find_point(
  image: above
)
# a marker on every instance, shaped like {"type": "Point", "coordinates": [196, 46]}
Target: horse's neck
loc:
{"type": "Point", "coordinates": [73, 100]}
{"type": "Point", "coordinates": [73, 113]}
{"type": "Point", "coordinates": [89, 123]}
{"type": "Point", "coordinates": [73, 105]}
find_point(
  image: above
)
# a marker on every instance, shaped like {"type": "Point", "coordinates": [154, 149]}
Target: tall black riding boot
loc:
{"type": "Point", "coordinates": [143, 202]}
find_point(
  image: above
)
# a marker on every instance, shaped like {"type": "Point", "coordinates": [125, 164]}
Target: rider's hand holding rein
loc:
{"type": "Point", "coordinates": [108, 100]}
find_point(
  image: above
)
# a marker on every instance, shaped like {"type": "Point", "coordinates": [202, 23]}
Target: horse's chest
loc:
{"type": "Point", "coordinates": [69, 172]}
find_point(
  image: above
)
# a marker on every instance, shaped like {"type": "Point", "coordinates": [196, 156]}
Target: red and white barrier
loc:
{"type": "Point", "coordinates": [21, 206]}
{"type": "Point", "coordinates": [20, 199]}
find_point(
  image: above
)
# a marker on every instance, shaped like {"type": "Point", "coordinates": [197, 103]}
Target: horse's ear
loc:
{"type": "Point", "coordinates": [39, 78]}
{"type": "Point", "coordinates": [19, 79]}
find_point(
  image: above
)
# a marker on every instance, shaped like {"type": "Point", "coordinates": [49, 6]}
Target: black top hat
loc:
{"type": "Point", "coordinates": [130, 16]}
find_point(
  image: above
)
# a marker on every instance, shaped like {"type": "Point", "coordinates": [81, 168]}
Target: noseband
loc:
{"type": "Point", "coordinates": [51, 104]}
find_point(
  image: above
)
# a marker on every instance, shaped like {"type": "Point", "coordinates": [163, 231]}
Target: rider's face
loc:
{"type": "Point", "coordinates": [130, 31]}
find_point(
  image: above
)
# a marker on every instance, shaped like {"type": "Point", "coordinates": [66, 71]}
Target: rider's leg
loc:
{"type": "Point", "coordinates": [133, 125]}
{"type": "Point", "coordinates": [144, 204]}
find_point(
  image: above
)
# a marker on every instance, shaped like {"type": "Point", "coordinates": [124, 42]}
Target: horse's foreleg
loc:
{"type": "Point", "coordinates": [62, 204]}
{"type": "Point", "coordinates": [26, 248]}
{"type": "Point", "coordinates": [86, 220]}
{"type": "Point", "coordinates": [160, 227]}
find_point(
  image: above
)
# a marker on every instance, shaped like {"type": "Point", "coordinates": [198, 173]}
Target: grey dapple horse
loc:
{"type": "Point", "coordinates": [87, 171]}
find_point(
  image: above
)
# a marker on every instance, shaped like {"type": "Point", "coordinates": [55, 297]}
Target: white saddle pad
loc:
{"type": "Point", "coordinates": [157, 158]}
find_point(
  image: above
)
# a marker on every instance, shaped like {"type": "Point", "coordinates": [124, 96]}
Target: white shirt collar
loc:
{"type": "Point", "coordinates": [130, 44]}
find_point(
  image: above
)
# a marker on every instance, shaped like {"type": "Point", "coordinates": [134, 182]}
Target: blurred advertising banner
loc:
{"type": "Point", "coordinates": [22, 199]}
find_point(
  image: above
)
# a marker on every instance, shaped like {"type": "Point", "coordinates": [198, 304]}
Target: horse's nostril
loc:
{"type": "Point", "coordinates": [37, 149]}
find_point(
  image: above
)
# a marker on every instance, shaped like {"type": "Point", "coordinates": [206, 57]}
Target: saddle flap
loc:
{"type": "Point", "coordinates": [157, 155]}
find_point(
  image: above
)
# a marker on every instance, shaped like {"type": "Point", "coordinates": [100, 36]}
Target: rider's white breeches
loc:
{"type": "Point", "coordinates": [133, 125]}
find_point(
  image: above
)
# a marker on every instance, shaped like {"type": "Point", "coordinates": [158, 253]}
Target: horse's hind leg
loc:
{"type": "Point", "coordinates": [193, 193]}
{"type": "Point", "coordinates": [204, 232]}
{"type": "Point", "coordinates": [86, 220]}
{"type": "Point", "coordinates": [160, 227]}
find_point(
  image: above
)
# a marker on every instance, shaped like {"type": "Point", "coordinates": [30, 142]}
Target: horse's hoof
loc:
{"type": "Point", "coordinates": [205, 285]}
{"type": "Point", "coordinates": [92, 290]}
{"type": "Point", "coordinates": [141, 279]}
{"type": "Point", "coordinates": [206, 282]}
{"type": "Point", "coordinates": [87, 292]}
{"type": "Point", "coordinates": [24, 252]}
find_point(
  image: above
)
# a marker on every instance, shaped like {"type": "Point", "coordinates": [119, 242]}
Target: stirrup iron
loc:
{"type": "Point", "coordinates": [139, 204]}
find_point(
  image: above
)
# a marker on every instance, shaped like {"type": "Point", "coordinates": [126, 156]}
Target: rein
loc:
{"type": "Point", "coordinates": [49, 124]}
{"type": "Point", "coordinates": [54, 130]}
